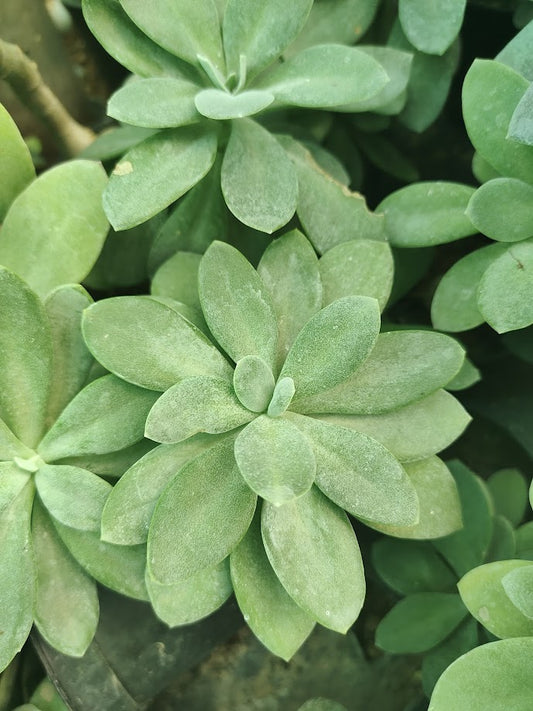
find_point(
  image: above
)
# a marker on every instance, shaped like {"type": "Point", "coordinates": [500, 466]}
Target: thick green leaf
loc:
{"type": "Point", "coordinates": [11, 447]}
{"type": "Point", "coordinates": [71, 361]}
{"type": "Point", "coordinates": [161, 169]}
{"type": "Point", "coordinates": [25, 359]}
{"type": "Point", "coordinates": [16, 166]}
{"type": "Point", "coordinates": [487, 114]}
{"type": "Point", "coordinates": [517, 53]}
{"type": "Point", "coordinates": [113, 464]}
{"type": "Point", "coordinates": [465, 378]}
{"type": "Point", "coordinates": [482, 169]}
{"type": "Point", "coordinates": [419, 622]}
{"type": "Point", "coordinates": [440, 507]}
{"type": "Point", "coordinates": [415, 431]}
{"type": "Point", "coordinates": [127, 43]}
{"type": "Point", "coordinates": [120, 568]}
{"type": "Point", "coordinates": [518, 585]}
{"type": "Point", "coordinates": [130, 505]}
{"type": "Point", "coordinates": [509, 490]}
{"type": "Point", "coordinates": [503, 541]}
{"type": "Point", "coordinates": [258, 179]}
{"type": "Point", "coordinates": [158, 102]}
{"type": "Point", "coordinates": [504, 296]}
{"type": "Point", "coordinates": [483, 593]}
{"type": "Point", "coordinates": [260, 30]}
{"type": "Point", "coordinates": [364, 267]}
{"type": "Point", "coordinates": [329, 212]}
{"type": "Point", "coordinates": [74, 497]}
{"type": "Point", "coordinates": [200, 517]}
{"type": "Point", "coordinates": [426, 214]}
{"type": "Point", "coordinates": [521, 125]}
{"type": "Point", "coordinates": [327, 161]}
{"type": "Point", "coordinates": [253, 383]}
{"type": "Point", "coordinates": [429, 26]}
{"type": "Point", "coordinates": [359, 474]}
{"type": "Point", "coordinates": [177, 278]}
{"type": "Point", "coordinates": [195, 404]}
{"type": "Point", "coordinates": [221, 105]}
{"type": "Point", "coordinates": [236, 304]}
{"type": "Point", "coordinates": [455, 303]}
{"type": "Point", "coordinates": [403, 367]}
{"type": "Point", "coordinates": [332, 344]}
{"type": "Point", "coordinates": [18, 576]}
{"type": "Point", "coordinates": [114, 142]}
{"type": "Point", "coordinates": [412, 567]}
{"type": "Point", "coordinates": [192, 599]}
{"type": "Point", "coordinates": [271, 614]}
{"type": "Point", "coordinates": [501, 209]}
{"type": "Point", "coordinates": [524, 541]}
{"type": "Point", "coordinates": [275, 459]}
{"type": "Point", "coordinates": [436, 660]}
{"type": "Point", "coordinates": [148, 343]}
{"type": "Point", "coordinates": [66, 606]}
{"type": "Point", "coordinates": [106, 416]}
{"type": "Point", "coordinates": [493, 677]}
{"type": "Point", "coordinates": [56, 227]}
{"type": "Point", "coordinates": [325, 76]}
{"type": "Point", "coordinates": [312, 547]}
{"type": "Point", "coordinates": [186, 28]}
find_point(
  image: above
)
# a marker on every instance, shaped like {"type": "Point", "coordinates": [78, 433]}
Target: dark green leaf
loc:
{"type": "Point", "coordinates": [431, 27]}
{"type": "Point", "coordinates": [462, 640]}
{"type": "Point", "coordinates": [509, 490]}
{"type": "Point", "coordinates": [16, 166]}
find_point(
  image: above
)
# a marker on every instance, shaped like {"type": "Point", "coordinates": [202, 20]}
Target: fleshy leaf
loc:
{"type": "Point", "coordinates": [314, 552]}
{"type": "Point", "coordinates": [455, 306]}
{"type": "Point", "coordinates": [403, 367]}
{"type": "Point", "coordinates": [359, 474]}
{"type": "Point", "coordinates": [236, 304]}
{"type": "Point", "coordinates": [205, 510]}
{"type": "Point", "coordinates": [427, 213]}
{"type": "Point", "coordinates": [415, 431]}
{"type": "Point", "coordinates": [253, 383]}
{"type": "Point", "coordinates": [162, 168]}
{"type": "Point", "coordinates": [25, 359]}
{"type": "Point", "coordinates": [59, 213]}
{"type": "Point", "coordinates": [10, 446]}
{"type": "Point", "coordinates": [332, 344]}
{"type": "Point", "coordinates": [521, 125]}
{"type": "Point", "coordinates": [16, 166]}
{"type": "Point", "coordinates": [501, 209]}
{"type": "Point", "coordinates": [270, 612]}
{"type": "Point", "coordinates": [260, 30]}
{"type": "Point", "coordinates": [66, 606]}
{"type": "Point", "coordinates": [508, 490]}
{"type": "Point", "coordinates": [195, 404]}
{"type": "Point", "coordinates": [363, 267]}
{"type": "Point", "coordinates": [130, 505]}
{"type": "Point", "coordinates": [148, 343]}
{"type": "Point", "coordinates": [158, 102]}
{"type": "Point", "coordinates": [419, 622]}
{"type": "Point", "coordinates": [192, 599]}
{"type": "Point", "coordinates": [518, 585]}
{"type": "Point", "coordinates": [106, 416]}
{"type": "Point", "coordinates": [517, 52]}
{"type": "Point", "coordinates": [258, 179]}
{"type": "Point", "coordinates": [462, 640]}
{"type": "Point", "coordinates": [429, 27]}
{"type": "Point", "coordinates": [221, 105]}
{"type": "Point", "coordinates": [275, 459]}
{"type": "Point", "coordinates": [467, 376]}
{"type": "Point", "coordinates": [504, 296]}
{"type": "Point", "coordinates": [483, 593]}
{"type": "Point", "coordinates": [289, 269]}
{"type": "Point", "coordinates": [177, 278]}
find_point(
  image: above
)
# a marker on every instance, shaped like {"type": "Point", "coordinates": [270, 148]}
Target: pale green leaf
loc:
{"type": "Point", "coordinates": [253, 383]}
{"type": "Point", "coordinates": [200, 517]}
{"type": "Point", "coordinates": [466, 377]}
{"type": "Point", "coordinates": [362, 266]}
{"type": "Point", "coordinates": [275, 459]}
{"type": "Point", "coordinates": [289, 269]}
{"type": "Point", "coordinates": [25, 359]}
{"type": "Point", "coordinates": [148, 343]}
{"type": "Point", "coordinates": [314, 552]}
{"type": "Point", "coordinates": [162, 168]}
{"type": "Point", "coordinates": [12, 481]}
{"type": "Point", "coordinates": [509, 491]}
{"type": "Point", "coordinates": [517, 52]}
{"type": "Point", "coordinates": [431, 27]}
{"type": "Point", "coordinates": [501, 209]}
{"type": "Point", "coordinates": [55, 229]}
{"type": "Point", "coordinates": [521, 125]}
{"type": "Point", "coordinates": [504, 296]}
{"type": "Point", "coordinates": [221, 105]}
{"type": "Point", "coordinates": [281, 397]}
{"type": "Point", "coordinates": [106, 416]}
{"type": "Point", "coordinates": [16, 167]}
{"type": "Point", "coordinates": [177, 278]}
{"type": "Point", "coordinates": [427, 213]}
{"type": "Point", "coordinates": [158, 102]}
{"type": "Point", "coordinates": [415, 431]}
{"type": "Point", "coordinates": [357, 473]}
{"type": "Point", "coordinates": [272, 615]}
{"type": "Point", "coordinates": [403, 367]}
{"type": "Point", "coordinates": [115, 141]}
{"type": "Point", "coordinates": [455, 302]}
{"type": "Point", "coordinates": [66, 606]}
{"type": "Point", "coordinates": [258, 179]}
{"type": "Point", "coordinates": [518, 585]}
{"type": "Point", "coordinates": [483, 593]}
{"type": "Point", "coordinates": [195, 404]}
{"type": "Point", "coordinates": [11, 446]}
{"type": "Point", "coordinates": [191, 314]}
{"type": "Point", "coordinates": [236, 304]}
{"type": "Point", "coordinates": [332, 344]}
{"type": "Point", "coordinates": [192, 599]}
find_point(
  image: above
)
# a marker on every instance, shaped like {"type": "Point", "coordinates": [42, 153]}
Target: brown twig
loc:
{"type": "Point", "coordinates": [26, 81]}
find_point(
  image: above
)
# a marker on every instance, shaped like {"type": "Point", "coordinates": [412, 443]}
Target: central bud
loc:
{"type": "Point", "coordinates": [253, 383]}
{"type": "Point", "coordinates": [29, 464]}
